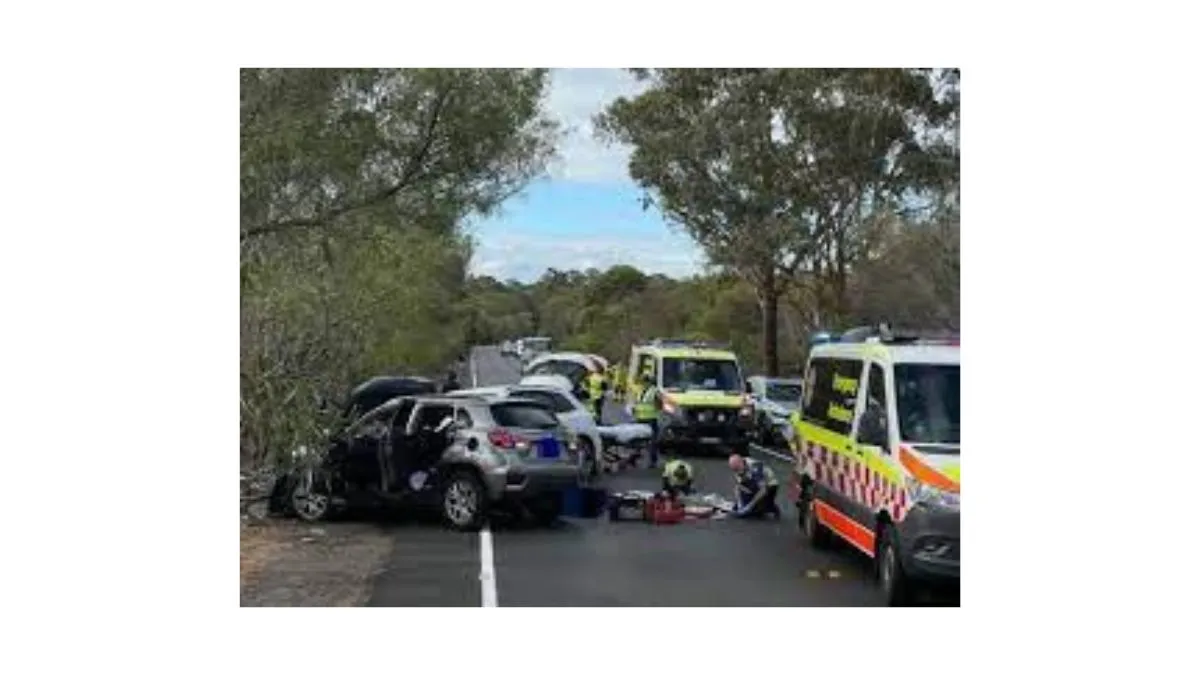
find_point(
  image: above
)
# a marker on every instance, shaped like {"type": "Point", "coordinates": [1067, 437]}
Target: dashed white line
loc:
{"type": "Point", "coordinates": [471, 368]}
{"type": "Point", "coordinates": [487, 569]}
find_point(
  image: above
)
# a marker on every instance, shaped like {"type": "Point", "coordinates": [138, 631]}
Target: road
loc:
{"type": "Point", "coordinates": [595, 563]}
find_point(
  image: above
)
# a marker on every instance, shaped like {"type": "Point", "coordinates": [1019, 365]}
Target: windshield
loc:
{"type": "Point", "coordinates": [708, 374]}
{"type": "Point", "coordinates": [523, 416]}
{"type": "Point", "coordinates": [540, 344]}
{"type": "Point", "coordinates": [783, 392]}
{"type": "Point", "coordinates": [927, 400]}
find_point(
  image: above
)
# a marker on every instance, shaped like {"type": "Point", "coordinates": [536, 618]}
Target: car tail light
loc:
{"type": "Point", "coordinates": [507, 440]}
{"type": "Point", "coordinates": [502, 438]}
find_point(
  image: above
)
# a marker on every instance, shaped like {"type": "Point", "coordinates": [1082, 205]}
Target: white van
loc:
{"type": "Point", "coordinates": [877, 456]}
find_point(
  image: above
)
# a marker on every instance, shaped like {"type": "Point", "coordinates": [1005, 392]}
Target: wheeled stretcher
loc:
{"type": "Point", "coordinates": [623, 445]}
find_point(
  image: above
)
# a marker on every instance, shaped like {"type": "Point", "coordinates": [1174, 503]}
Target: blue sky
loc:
{"type": "Point", "coordinates": [586, 212]}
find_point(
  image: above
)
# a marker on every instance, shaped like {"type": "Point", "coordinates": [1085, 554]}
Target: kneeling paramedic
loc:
{"type": "Point", "coordinates": [677, 478]}
{"type": "Point", "coordinates": [756, 487]}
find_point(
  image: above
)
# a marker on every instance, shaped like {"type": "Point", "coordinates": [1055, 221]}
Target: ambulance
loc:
{"type": "Point", "coordinates": [704, 401]}
{"type": "Point", "coordinates": [876, 441]}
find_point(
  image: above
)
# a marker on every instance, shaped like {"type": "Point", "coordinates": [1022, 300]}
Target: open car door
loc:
{"type": "Point", "coordinates": [416, 452]}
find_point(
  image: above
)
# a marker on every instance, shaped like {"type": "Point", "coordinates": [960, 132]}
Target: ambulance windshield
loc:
{"type": "Point", "coordinates": [927, 400]}
{"type": "Point", "coordinates": [709, 374]}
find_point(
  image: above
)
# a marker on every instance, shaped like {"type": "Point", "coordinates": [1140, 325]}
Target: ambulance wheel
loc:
{"type": "Point", "coordinates": [893, 582]}
{"type": "Point", "coordinates": [817, 535]}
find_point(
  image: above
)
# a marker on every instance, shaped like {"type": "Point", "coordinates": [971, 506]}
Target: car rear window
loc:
{"type": "Point", "coordinates": [556, 402]}
{"type": "Point", "coordinates": [523, 416]}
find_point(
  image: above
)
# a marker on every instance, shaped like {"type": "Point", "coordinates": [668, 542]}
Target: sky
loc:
{"type": "Point", "coordinates": [586, 212]}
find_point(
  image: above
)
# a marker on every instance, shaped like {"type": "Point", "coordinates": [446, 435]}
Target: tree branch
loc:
{"type": "Point", "coordinates": [412, 169]}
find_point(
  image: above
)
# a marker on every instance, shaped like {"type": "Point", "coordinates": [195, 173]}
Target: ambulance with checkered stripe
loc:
{"type": "Point", "coordinates": [877, 454]}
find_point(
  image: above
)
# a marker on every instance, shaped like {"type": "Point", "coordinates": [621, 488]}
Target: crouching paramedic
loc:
{"type": "Point", "coordinates": [677, 478]}
{"type": "Point", "coordinates": [756, 486]}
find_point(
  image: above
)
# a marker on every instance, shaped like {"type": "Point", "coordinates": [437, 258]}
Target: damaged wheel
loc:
{"type": "Point", "coordinates": [309, 500]}
{"type": "Point", "coordinates": [463, 505]}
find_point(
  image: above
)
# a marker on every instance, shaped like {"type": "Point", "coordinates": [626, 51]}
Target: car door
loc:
{"type": "Point", "coordinates": [367, 437]}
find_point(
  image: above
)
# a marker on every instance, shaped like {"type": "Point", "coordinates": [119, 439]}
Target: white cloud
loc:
{"type": "Point", "coordinates": [527, 257]}
{"type": "Point", "coordinates": [575, 96]}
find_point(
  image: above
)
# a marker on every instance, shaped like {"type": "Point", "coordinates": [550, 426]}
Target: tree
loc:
{"type": "Point", "coordinates": [778, 173]}
{"type": "Point", "coordinates": [704, 153]}
{"type": "Point", "coordinates": [354, 185]}
{"type": "Point", "coordinates": [321, 145]}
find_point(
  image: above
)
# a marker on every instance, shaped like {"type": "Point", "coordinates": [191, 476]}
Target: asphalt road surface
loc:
{"type": "Point", "coordinates": [596, 563]}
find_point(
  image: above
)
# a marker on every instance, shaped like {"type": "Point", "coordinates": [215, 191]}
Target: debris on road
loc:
{"type": "Point", "coordinates": [645, 505]}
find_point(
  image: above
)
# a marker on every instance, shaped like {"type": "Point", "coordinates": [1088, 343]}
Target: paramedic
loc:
{"type": "Point", "coordinates": [595, 389]}
{"type": "Point", "coordinates": [646, 412]}
{"type": "Point", "coordinates": [756, 488]}
{"type": "Point", "coordinates": [677, 478]}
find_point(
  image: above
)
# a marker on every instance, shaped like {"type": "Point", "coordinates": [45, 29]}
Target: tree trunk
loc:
{"type": "Point", "coordinates": [769, 302]}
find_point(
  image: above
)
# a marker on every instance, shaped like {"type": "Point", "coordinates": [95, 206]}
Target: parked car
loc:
{"type": "Point", "coordinates": [775, 399]}
{"type": "Point", "coordinates": [528, 348]}
{"type": "Point", "coordinates": [462, 455]}
{"type": "Point", "coordinates": [554, 391]}
{"type": "Point", "coordinates": [572, 365]}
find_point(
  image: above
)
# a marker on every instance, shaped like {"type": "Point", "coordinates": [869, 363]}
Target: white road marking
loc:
{"type": "Point", "coordinates": [772, 453]}
{"type": "Point", "coordinates": [471, 368]}
{"type": "Point", "coordinates": [487, 569]}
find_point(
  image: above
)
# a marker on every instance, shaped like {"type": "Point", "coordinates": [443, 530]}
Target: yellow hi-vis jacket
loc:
{"type": "Point", "coordinates": [595, 386]}
{"type": "Point", "coordinates": [646, 408]}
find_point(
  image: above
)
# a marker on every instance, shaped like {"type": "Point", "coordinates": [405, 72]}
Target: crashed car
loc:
{"type": "Point", "coordinates": [463, 456]}
{"type": "Point", "coordinates": [774, 400]}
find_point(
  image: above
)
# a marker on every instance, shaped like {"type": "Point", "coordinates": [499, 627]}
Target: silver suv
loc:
{"type": "Point", "coordinates": [463, 455]}
{"type": "Point", "coordinates": [509, 451]}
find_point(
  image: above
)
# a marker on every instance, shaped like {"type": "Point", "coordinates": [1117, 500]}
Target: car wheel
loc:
{"type": "Point", "coordinates": [309, 500]}
{"type": "Point", "coordinates": [464, 506]}
{"type": "Point", "coordinates": [817, 535]}
{"type": "Point", "coordinates": [896, 587]}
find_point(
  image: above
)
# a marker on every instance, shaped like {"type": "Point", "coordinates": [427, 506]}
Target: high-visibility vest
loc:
{"type": "Point", "coordinates": [670, 469]}
{"type": "Point", "coordinates": [595, 385]}
{"type": "Point", "coordinates": [646, 407]}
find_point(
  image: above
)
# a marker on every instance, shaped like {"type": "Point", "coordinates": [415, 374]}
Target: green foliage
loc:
{"type": "Point", "coordinates": [781, 175]}
{"type": "Point", "coordinates": [354, 185]}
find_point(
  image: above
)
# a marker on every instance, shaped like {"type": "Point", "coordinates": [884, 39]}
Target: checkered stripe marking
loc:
{"type": "Point", "coordinates": [855, 480]}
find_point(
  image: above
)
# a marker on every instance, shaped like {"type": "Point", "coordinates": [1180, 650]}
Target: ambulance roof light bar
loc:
{"type": "Point", "coordinates": [883, 334]}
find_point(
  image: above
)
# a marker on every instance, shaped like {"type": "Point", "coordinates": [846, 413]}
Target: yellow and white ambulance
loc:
{"type": "Point", "coordinates": [877, 455]}
{"type": "Point", "coordinates": [704, 404]}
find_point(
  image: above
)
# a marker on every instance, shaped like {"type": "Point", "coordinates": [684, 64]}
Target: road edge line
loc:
{"type": "Point", "coordinates": [777, 455]}
{"type": "Point", "coordinates": [487, 569]}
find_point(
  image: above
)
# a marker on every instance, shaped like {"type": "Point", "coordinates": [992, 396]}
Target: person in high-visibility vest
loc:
{"type": "Point", "coordinates": [645, 411]}
{"type": "Point", "coordinates": [615, 385]}
{"type": "Point", "coordinates": [677, 478]}
{"type": "Point", "coordinates": [595, 388]}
